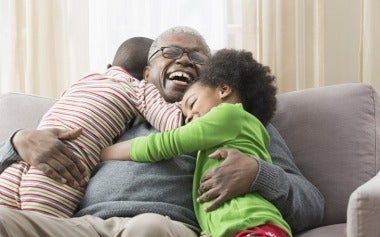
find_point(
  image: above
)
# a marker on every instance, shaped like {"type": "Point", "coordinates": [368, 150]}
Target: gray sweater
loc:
{"type": "Point", "coordinates": [126, 188]}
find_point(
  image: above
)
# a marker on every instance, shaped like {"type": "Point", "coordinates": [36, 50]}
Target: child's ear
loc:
{"type": "Point", "coordinates": [224, 91]}
{"type": "Point", "coordinates": [146, 71]}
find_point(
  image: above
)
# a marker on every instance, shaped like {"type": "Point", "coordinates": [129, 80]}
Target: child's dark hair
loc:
{"type": "Point", "coordinates": [249, 79]}
{"type": "Point", "coordinates": [132, 55]}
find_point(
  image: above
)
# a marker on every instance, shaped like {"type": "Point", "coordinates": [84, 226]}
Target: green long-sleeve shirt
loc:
{"type": "Point", "coordinates": [227, 125]}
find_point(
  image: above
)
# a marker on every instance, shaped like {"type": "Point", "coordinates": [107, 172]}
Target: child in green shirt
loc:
{"type": "Point", "coordinates": [228, 106]}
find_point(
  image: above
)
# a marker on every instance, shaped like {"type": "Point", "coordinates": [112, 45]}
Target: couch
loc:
{"type": "Point", "coordinates": [333, 133]}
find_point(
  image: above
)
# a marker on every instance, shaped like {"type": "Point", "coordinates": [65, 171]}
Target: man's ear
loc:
{"type": "Point", "coordinates": [146, 72]}
{"type": "Point", "coordinates": [224, 91]}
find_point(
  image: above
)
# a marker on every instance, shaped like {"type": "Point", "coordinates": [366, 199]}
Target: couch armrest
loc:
{"type": "Point", "coordinates": [363, 212]}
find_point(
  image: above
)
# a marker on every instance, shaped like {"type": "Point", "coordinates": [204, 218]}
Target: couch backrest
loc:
{"type": "Point", "coordinates": [21, 111]}
{"type": "Point", "coordinates": [333, 133]}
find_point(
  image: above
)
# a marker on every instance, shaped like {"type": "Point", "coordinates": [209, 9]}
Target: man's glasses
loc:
{"type": "Point", "coordinates": [175, 53]}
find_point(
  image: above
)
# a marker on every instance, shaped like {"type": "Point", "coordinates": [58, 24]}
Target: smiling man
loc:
{"type": "Point", "coordinates": [188, 52]}
{"type": "Point", "coordinates": [131, 199]}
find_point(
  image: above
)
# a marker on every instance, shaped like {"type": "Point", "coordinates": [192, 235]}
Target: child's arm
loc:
{"type": "Point", "coordinates": [118, 151]}
{"type": "Point", "coordinates": [213, 129]}
{"type": "Point", "coordinates": [160, 114]}
{"type": "Point", "coordinates": [191, 137]}
{"type": "Point", "coordinates": [144, 98]}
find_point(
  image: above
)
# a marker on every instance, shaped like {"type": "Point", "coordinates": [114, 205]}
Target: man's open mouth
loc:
{"type": "Point", "coordinates": [180, 77]}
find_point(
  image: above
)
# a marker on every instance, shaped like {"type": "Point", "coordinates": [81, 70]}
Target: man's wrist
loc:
{"type": "Point", "coordinates": [12, 141]}
{"type": "Point", "coordinates": [253, 185]}
{"type": "Point", "coordinates": [8, 155]}
{"type": "Point", "coordinates": [265, 177]}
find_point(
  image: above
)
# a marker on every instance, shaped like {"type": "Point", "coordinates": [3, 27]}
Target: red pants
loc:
{"type": "Point", "coordinates": [267, 230]}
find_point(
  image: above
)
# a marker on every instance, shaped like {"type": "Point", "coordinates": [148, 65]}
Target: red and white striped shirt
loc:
{"type": "Point", "coordinates": [103, 105]}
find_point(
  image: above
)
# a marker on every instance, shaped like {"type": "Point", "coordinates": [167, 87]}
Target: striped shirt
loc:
{"type": "Point", "coordinates": [104, 106]}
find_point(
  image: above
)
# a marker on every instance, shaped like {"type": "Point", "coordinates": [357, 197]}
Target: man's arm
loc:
{"type": "Point", "coordinates": [45, 150]}
{"type": "Point", "coordinates": [300, 202]}
{"type": "Point", "coordinates": [282, 183]}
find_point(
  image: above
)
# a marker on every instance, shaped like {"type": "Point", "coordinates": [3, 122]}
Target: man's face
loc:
{"type": "Point", "coordinates": [173, 76]}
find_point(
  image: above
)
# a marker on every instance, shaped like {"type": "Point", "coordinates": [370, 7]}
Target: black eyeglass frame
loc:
{"type": "Point", "coordinates": [189, 53]}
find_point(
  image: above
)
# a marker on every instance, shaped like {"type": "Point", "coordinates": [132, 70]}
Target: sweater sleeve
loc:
{"type": "Point", "coordinates": [282, 183]}
{"type": "Point", "coordinates": [202, 133]}
{"type": "Point", "coordinates": [8, 155]}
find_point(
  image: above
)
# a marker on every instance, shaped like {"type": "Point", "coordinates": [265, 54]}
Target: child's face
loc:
{"type": "Point", "coordinates": [198, 100]}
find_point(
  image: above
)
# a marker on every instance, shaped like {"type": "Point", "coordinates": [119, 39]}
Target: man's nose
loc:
{"type": "Point", "coordinates": [185, 59]}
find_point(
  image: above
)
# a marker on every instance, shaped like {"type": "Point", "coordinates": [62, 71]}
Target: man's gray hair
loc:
{"type": "Point", "coordinates": [177, 29]}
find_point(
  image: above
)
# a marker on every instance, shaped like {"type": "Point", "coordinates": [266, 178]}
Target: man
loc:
{"type": "Point", "coordinates": [140, 199]}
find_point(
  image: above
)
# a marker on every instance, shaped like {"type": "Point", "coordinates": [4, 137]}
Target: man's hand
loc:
{"type": "Point", "coordinates": [231, 179]}
{"type": "Point", "coordinates": [44, 150]}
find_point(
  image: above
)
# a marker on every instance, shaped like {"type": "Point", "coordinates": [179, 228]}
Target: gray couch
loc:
{"type": "Point", "coordinates": [333, 133]}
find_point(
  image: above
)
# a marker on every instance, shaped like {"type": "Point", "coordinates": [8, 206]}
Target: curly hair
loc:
{"type": "Point", "coordinates": [249, 79]}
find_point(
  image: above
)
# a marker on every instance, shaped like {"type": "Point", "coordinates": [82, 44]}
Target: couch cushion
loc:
{"type": "Point", "coordinates": [338, 230]}
{"type": "Point", "coordinates": [19, 110]}
{"type": "Point", "coordinates": [332, 133]}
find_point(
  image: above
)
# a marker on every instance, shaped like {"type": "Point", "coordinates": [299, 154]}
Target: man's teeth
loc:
{"type": "Point", "coordinates": [182, 75]}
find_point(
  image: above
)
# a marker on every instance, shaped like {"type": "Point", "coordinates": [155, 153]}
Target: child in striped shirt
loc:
{"type": "Point", "coordinates": [103, 105]}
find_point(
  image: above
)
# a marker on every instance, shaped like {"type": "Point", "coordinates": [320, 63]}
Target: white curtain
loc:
{"type": "Point", "coordinates": [111, 24]}
{"type": "Point", "coordinates": [47, 44]}
{"type": "Point", "coordinates": [44, 45]}
{"type": "Point", "coordinates": [315, 43]}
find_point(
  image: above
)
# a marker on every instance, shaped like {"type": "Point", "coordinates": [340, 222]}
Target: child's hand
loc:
{"type": "Point", "coordinates": [118, 151]}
